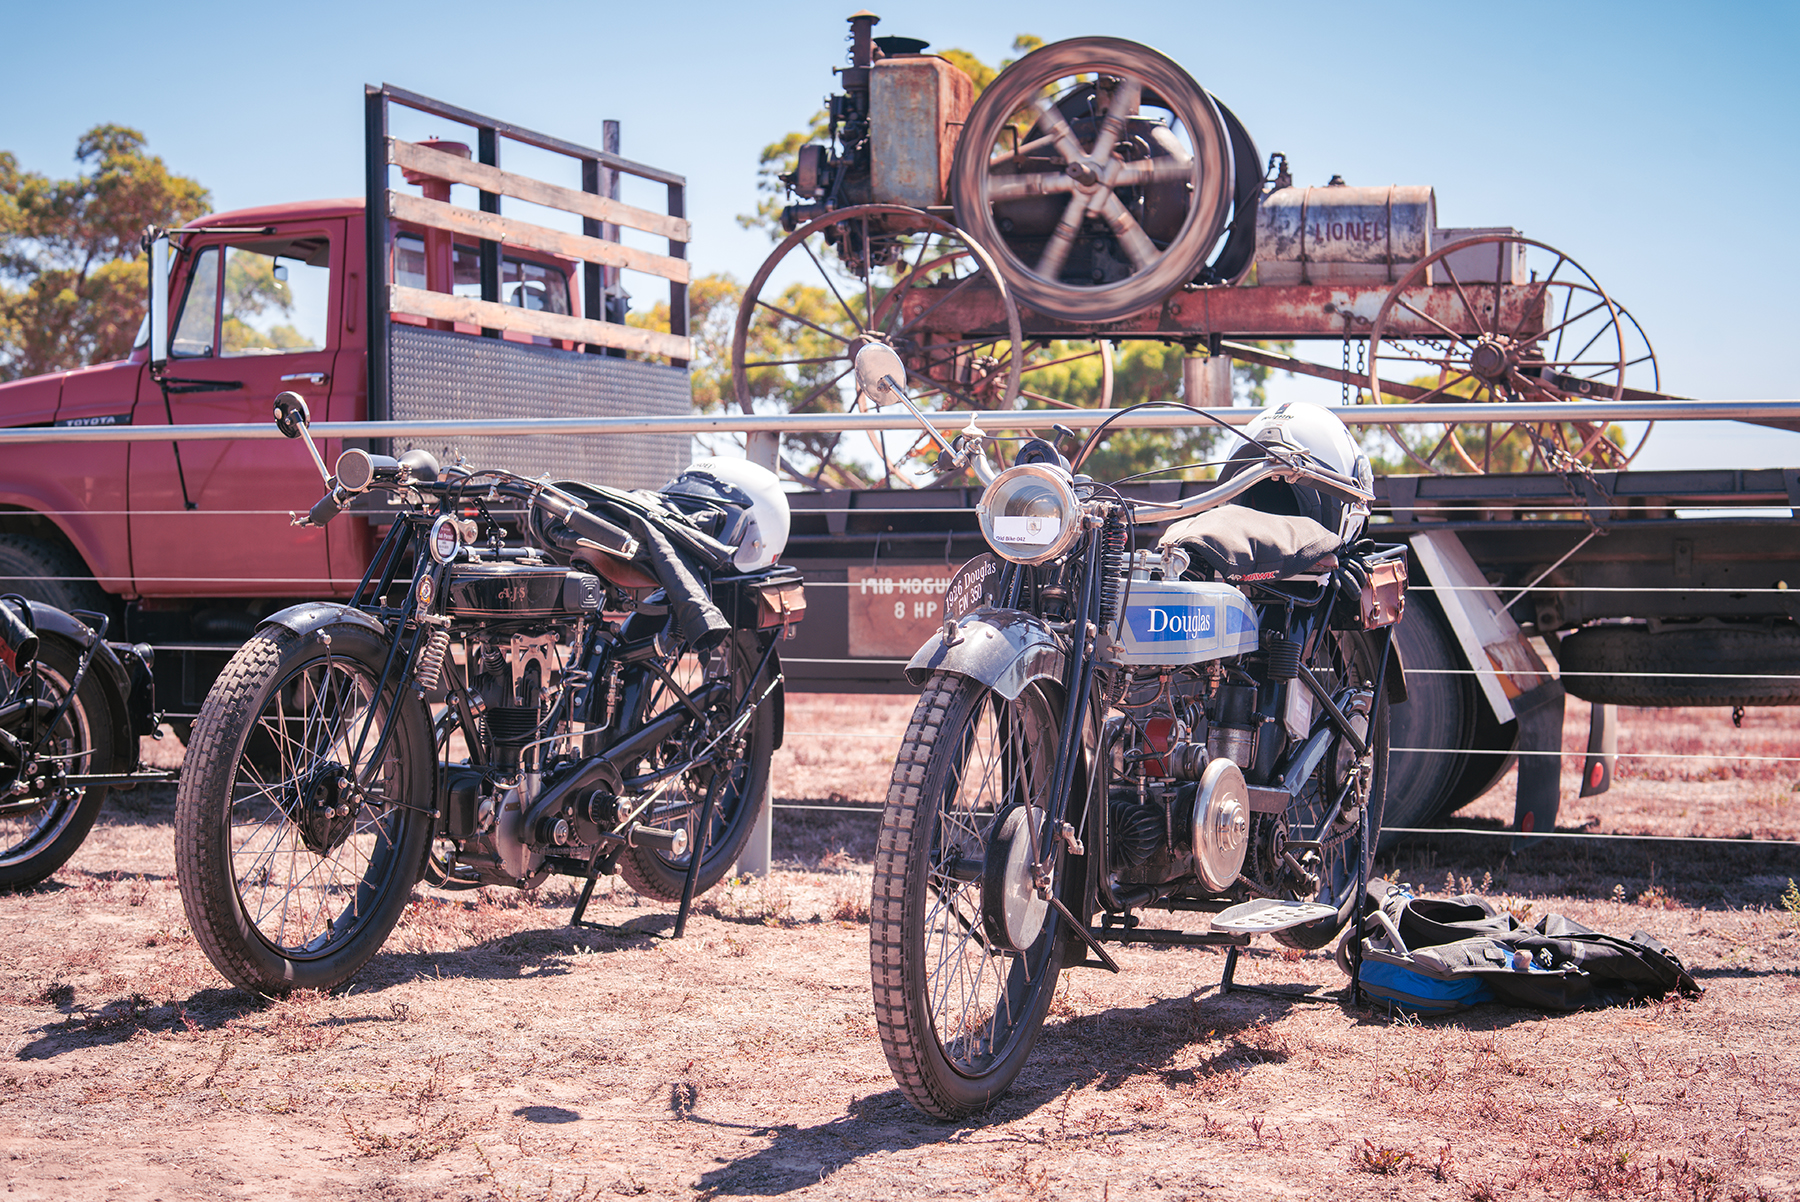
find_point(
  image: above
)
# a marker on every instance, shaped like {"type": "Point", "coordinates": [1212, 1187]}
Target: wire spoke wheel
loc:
{"type": "Point", "coordinates": [874, 273]}
{"type": "Point", "coordinates": [1100, 174]}
{"type": "Point", "coordinates": [303, 815]}
{"type": "Point", "coordinates": [958, 1008]}
{"type": "Point", "coordinates": [44, 822]}
{"type": "Point", "coordinates": [1341, 659]}
{"type": "Point", "coordinates": [735, 771]}
{"type": "Point", "coordinates": [1499, 319]}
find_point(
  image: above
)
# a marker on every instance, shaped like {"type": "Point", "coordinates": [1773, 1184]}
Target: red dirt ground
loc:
{"type": "Point", "coordinates": [491, 1051]}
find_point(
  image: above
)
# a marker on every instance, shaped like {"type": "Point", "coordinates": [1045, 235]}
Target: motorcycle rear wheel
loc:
{"type": "Point", "coordinates": [743, 760]}
{"type": "Point", "coordinates": [41, 828]}
{"type": "Point", "coordinates": [281, 891]}
{"type": "Point", "coordinates": [1347, 854]}
{"type": "Point", "coordinates": [958, 1015]}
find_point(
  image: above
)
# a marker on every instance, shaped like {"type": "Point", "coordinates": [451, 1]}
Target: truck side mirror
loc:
{"type": "Point", "coordinates": [292, 417]}
{"type": "Point", "coordinates": [159, 298]}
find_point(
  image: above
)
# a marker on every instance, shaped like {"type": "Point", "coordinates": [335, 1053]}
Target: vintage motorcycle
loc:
{"type": "Point", "coordinates": [71, 708]}
{"type": "Point", "coordinates": [1103, 730]}
{"type": "Point", "coordinates": [599, 693]}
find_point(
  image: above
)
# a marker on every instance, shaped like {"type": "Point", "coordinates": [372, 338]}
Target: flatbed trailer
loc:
{"type": "Point", "coordinates": [1698, 570]}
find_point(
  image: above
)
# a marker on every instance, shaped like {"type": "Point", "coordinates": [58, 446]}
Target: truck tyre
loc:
{"type": "Point", "coordinates": [51, 822]}
{"type": "Point", "coordinates": [40, 570]}
{"type": "Point", "coordinates": [1620, 665]}
{"type": "Point", "coordinates": [1431, 730]}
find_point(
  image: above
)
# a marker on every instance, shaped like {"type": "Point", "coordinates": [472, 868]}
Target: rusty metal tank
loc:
{"type": "Point", "coordinates": [1343, 235]}
{"type": "Point", "coordinates": [917, 106]}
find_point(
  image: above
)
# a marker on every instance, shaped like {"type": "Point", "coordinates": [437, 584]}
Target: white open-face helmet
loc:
{"type": "Point", "coordinates": [1316, 433]}
{"type": "Point", "coordinates": [759, 524]}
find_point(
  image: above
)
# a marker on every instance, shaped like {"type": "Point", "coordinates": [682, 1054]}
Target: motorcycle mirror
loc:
{"type": "Point", "coordinates": [876, 364]}
{"type": "Point", "coordinates": [292, 417]}
{"type": "Point", "coordinates": [159, 297]}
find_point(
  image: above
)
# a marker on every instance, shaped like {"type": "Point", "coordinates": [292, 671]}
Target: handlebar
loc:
{"type": "Point", "coordinates": [1153, 512]}
{"type": "Point", "coordinates": [364, 472]}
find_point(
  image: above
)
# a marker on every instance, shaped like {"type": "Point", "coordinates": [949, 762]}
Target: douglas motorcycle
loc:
{"type": "Point", "coordinates": [1107, 731]}
{"type": "Point", "coordinates": [603, 698]}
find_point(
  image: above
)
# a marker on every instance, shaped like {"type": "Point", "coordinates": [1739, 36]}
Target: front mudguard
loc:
{"type": "Point", "coordinates": [1004, 649]}
{"type": "Point", "coordinates": [310, 616]}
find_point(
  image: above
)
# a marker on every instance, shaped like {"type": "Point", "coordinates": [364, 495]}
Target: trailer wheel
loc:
{"type": "Point", "coordinates": [1618, 665]}
{"type": "Point", "coordinates": [1432, 729]}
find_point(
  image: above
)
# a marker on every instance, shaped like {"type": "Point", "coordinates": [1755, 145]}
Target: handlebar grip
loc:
{"type": "Point", "coordinates": [590, 525]}
{"type": "Point", "coordinates": [328, 507]}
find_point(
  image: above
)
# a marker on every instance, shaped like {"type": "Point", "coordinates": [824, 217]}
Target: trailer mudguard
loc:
{"type": "Point", "coordinates": [1002, 648]}
{"type": "Point", "coordinates": [311, 616]}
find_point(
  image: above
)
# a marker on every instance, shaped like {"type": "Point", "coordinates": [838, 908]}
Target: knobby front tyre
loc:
{"type": "Point", "coordinates": [297, 844]}
{"type": "Point", "coordinates": [957, 1013]}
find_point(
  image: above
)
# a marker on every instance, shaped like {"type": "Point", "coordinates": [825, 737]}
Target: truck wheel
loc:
{"type": "Point", "coordinates": [41, 828]}
{"type": "Point", "coordinates": [1430, 730]}
{"type": "Point", "coordinates": [40, 570]}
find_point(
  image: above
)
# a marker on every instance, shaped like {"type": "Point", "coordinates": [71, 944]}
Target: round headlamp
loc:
{"type": "Point", "coordinates": [445, 539]}
{"type": "Point", "coordinates": [1029, 514]}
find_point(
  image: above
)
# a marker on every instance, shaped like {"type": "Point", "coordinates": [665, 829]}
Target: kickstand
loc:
{"type": "Point", "coordinates": [1227, 982]}
{"type": "Point", "coordinates": [695, 851]}
{"type": "Point", "coordinates": [587, 892]}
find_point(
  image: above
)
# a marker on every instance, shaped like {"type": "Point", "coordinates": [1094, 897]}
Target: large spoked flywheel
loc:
{"type": "Point", "coordinates": [1099, 173]}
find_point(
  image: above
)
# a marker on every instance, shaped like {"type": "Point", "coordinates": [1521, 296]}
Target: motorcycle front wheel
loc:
{"type": "Point", "coordinates": [300, 833]}
{"type": "Point", "coordinates": [1344, 855]}
{"type": "Point", "coordinates": [41, 827]}
{"type": "Point", "coordinates": [738, 762]}
{"type": "Point", "coordinates": [958, 1010]}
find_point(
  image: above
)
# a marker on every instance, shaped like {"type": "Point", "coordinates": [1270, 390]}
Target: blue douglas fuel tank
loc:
{"type": "Point", "coordinates": [1168, 623]}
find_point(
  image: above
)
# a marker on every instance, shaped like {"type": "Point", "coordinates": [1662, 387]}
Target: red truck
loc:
{"type": "Point", "coordinates": [187, 543]}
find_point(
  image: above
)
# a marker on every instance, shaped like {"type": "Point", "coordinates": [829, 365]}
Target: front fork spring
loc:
{"type": "Point", "coordinates": [429, 668]}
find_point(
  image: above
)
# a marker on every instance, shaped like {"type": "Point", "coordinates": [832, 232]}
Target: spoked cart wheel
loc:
{"type": "Point", "coordinates": [874, 273]}
{"type": "Point", "coordinates": [1100, 174]}
{"type": "Point", "coordinates": [1500, 318]}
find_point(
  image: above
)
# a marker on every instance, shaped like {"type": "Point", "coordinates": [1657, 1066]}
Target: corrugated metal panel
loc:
{"type": "Point", "coordinates": [441, 375]}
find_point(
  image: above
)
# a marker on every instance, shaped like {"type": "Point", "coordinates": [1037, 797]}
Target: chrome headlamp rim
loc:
{"type": "Point", "coordinates": [1062, 490]}
{"type": "Point", "coordinates": [445, 539]}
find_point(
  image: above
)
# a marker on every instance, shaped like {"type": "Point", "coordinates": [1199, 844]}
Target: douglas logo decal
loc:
{"type": "Point", "coordinates": [1169, 623]}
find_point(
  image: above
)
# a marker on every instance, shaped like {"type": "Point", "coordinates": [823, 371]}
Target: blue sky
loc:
{"type": "Point", "coordinates": [1654, 142]}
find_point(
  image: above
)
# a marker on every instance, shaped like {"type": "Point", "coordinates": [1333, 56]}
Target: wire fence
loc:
{"type": "Point", "coordinates": [1550, 513]}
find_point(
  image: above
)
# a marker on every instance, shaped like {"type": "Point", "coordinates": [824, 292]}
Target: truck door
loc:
{"type": "Point", "coordinates": [259, 315]}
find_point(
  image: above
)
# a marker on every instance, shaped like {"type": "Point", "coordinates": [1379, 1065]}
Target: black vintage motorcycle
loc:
{"type": "Point", "coordinates": [71, 708]}
{"type": "Point", "coordinates": [1108, 731]}
{"type": "Point", "coordinates": [600, 692]}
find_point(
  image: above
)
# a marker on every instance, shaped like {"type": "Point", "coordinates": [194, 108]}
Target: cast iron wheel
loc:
{"type": "Point", "coordinates": [1555, 336]}
{"type": "Point", "coordinates": [875, 273]}
{"type": "Point", "coordinates": [1342, 658]}
{"type": "Point", "coordinates": [957, 1011]}
{"type": "Point", "coordinates": [297, 846]}
{"type": "Point", "coordinates": [740, 764]}
{"type": "Point", "coordinates": [1099, 173]}
{"type": "Point", "coordinates": [41, 827]}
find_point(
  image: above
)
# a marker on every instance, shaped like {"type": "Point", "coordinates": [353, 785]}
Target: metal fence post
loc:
{"type": "Point", "coordinates": [756, 857]}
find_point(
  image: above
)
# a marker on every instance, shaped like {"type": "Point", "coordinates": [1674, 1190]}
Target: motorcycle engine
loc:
{"type": "Point", "coordinates": [515, 682]}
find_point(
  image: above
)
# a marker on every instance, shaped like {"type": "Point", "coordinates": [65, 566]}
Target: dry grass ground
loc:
{"type": "Point", "coordinates": [492, 1052]}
